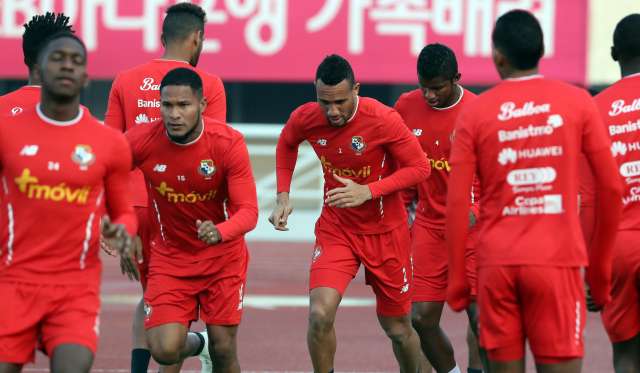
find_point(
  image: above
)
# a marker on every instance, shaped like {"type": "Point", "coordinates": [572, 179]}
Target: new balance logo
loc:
{"type": "Point", "coordinates": [29, 150]}
{"type": "Point", "coordinates": [322, 142]}
{"type": "Point", "coordinates": [405, 288]}
{"type": "Point", "coordinates": [142, 118]}
{"type": "Point", "coordinates": [160, 168]}
{"type": "Point", "coordinates": [417, 132]}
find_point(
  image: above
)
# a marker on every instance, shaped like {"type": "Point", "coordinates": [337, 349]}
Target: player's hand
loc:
{"type": "Point", "coordinates": [599, 283]}
{"type": "Point", "coordinates": [459, 293]}
{"type": "Point", "coordinates": [107, 249]}
{"type": "Point", "coordinates": [281, 213]}
{"type": "Point", "coordinates": [129, 267]}
{"type": "Point", "coordinates": [472, 219]}
{"type": "Point", "coordinates": [591, 305]}
{"type": "Point", "coordinates": [116, 236]}
{"type": "Point", "coordinates": [351, 195]}
{"type": "Point", "coordinates": [208, 232]}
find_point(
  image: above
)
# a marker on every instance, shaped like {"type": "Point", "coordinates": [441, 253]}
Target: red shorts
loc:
{"type": "Point", "coordinates": [431, 264]}
{"type": "Point", "coordinates": [386, 257]}
{"type": "Point", "coordinates": [144, 232]}
{"type": "Point", "coordinates": [621, 316]}
{"type": "Point", "coordinates": [215, 287]}
{"type": "Point", "coordinates": [545, 305]}
{"type": "Point", "coordinates": [46, 316]}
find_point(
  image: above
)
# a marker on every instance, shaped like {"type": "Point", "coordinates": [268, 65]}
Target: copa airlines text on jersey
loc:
{"type": "Point", "coordinates": [508, 110]}
{"type": "Point", "coordinates": [618, 107]}
{"type": "Point", "coordinates": [152, 103]}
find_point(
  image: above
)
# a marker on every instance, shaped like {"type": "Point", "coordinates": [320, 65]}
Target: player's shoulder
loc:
{"type": "Point", "coordinates": [145, 130]}
{"type": "Point", "coordinates": [205, 76]}
{"type": "Point", "coordinates": [307, 113]}
{"type": "Point", "coordinates": [467, 95]}
{"type": "Point", "coordinates": [374, 110]}
{"type": "Point", "coordinates": [408, 99]}
{"type": "Point", "coordinates": [619, 90]}
{"type": "Point", "coordinates": [220, 131]}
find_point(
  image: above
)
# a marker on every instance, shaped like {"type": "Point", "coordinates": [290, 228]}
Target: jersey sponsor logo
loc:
{"type": "Point", "coordinates": [440, 164]}
{"type": "Point", "coordinates": [142, 118]}
{"type": "Point", "coordinates": [546, 204]}
{"type": "Point", "coordinates": [28, 185]}
{"type": "Point", "coordinates": [618, 147]}
{"type": "Point", "coordinates": [316, 253]}
{"type": "Point", "coordinates": [147, 85]}
{"type": "Point", "coordinates": [417, 132]}
{"type": "Point", "coordinates": [29, 150]}
{"type": "Point", "coordinates": [630, 169]}
{"type": "Point", "coordinates": [207, 168]}
{"type": "Point", "coordinates": [511, 155]}
{"type": "Point", "coordinates": [618, 107]}
{"type": "Point", "coordinates": [192, 197]}
{"type": "Point", "coordinates": [357, 144]}
{"type": "Point", "coordinates": [624, 128]}
{"type": "Point", "coordinates": [532, 179]}
{"type": "Point", "coordinates": [160, 168]}
{"type": "Point", "coordinates": [634, 197]}
{"type": "Point", "coordinates": [322, 142]}
{"type": "Point", "coordinates": [508, 110]}
{"type": "Point", "coordinates": [554, 121]}
{"type": "Point", "coordinates": [83, 156]}
{"type": "Point", "coordinates": [152, 103]}
{"type": "Point", "coordinates": [16, 110]}
{"type": "Point", "coordinates": [364, 172]}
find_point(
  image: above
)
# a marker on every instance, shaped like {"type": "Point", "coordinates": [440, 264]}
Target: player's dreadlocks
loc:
{"type": "Point", "coordinates": [38, 30]}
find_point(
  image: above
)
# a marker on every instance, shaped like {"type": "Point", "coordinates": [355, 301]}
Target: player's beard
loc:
{"type": "Point", "coordinates": [183, 138]}
{"type": "Point", "coordinates": [353, 105]}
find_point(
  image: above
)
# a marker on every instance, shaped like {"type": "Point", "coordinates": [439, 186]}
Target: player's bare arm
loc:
{"type": "Point", "coordinates": [472, 219]}
{"type": "Point", "coordinates": [282, 211]}
{"type": "Point", "coordinates": [208, 232]}
{"type": "Point", "coordinates": [351, 195]}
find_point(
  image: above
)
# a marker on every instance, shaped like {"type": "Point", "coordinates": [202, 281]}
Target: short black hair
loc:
{"type": "Point", "coordinates": [38, 30]}
{"type": "Point", "coordinates": [183, 76]}
{"type": "Point", "coordinates": [56, 36]}
{"type": "Point", "coordinates": [334, 69]}
{"type": "Point", "coordinates": [519, 36]}
{"type": "Point", "coordinates": [437, 61]}
{"type": "Point", "coordinates": [626, 37]}
{"type": "Point", "coordinates": [182, 20]}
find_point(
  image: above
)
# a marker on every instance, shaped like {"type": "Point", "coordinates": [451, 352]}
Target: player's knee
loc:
{"type": "Point", "coordinates": [398, 332]}
{"type": "Point", "coordinates": [223, 352]}
{"type": "Point", "coordinates": [165, 352]}
{"type": "Point", "coordinates": [424, 322]}
{"type": "Point", "coordinates": [320, 320]}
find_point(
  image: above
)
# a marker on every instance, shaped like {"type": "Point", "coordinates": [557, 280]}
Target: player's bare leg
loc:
{"type": "Point", "coordinates": [223, 348]}
{"type": "Point", "coordinates": [9, 368]}
{"type": "Point", "coordinates": [478, 358]}
{"type": "Point", "coordinates": [172, 343]}
{"type": "Point", "coordinates": [513, 366]}
{"type": "Point", "coordinates": [321, 336]}
{"type": "Point", "coordinates": [405, 341]}
{"type": "Point", "coordinates": [71, 358]}
{"type": "Point", "coordinates": [425, 318]}
{"type": "Point", "coordinates": [626, 355]}
{"type": "Point", "coordinates": [425, 365]}
{"type": "Point", "coordinates": [474, 357]}
{"type": "Point", "coordinates": [571, 366]}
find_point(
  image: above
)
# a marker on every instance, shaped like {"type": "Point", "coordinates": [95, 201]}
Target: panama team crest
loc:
{"type": "Point", "coordinates": [147, 309]}
{"type": "Point", "coordinates": [453, 134]}
{"type": "Point", "coordinates": [357, 144]}
{"type": "Point", "coordinates": [83, 156]}
{"type": "Point", "coordinates": [317, 253]}
{"type": "Point", "coordinates": [207, 168]}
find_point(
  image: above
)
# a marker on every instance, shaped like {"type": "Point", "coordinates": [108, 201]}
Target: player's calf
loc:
{"type": "Point", "coordinates": [405, 341]}
{"type": "Point", "coordinates": [223, 348]}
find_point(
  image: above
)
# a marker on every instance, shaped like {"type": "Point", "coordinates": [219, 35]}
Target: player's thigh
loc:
{"type": "Point", "coordinates": [10, 368]}
{"type": "Point", "coordinates": [74, 320]}
{"type": "Point", "coordinates": [169, 300]}
{"type": "Point", "coordinates": [430, 263]}
{"type": "Point", "coordinates": [621, 316]}
{"type": "Point", "coordinates": [500, 313]}
{"type": "Point", "coordinates": [554, 312]}
{"type": "Point", "coordinates": [221, 303]}
{"type": "Point", "coordinates": [144, 232]}
{"type": "Point", "coordinates": [23, 308]}
{"type": "Point", "coordinates": [387, 260]}
{"type": "Point", "coordinates": [71, 358]}
{"type": "Point", "coordinates": [425, 316]}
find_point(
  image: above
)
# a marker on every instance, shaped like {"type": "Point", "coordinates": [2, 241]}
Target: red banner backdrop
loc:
{"type": "Point", "coordinates": [285, 40]}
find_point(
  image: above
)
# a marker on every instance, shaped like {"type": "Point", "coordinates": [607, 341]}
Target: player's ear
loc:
{"type": "Point", "coordinates": [203, 104]}
{"type": "Point", "coordinates": [456, 78]}
{"type": "Point", "coordinates": [356, 89]}
{"type": "Point", "coordinates": [614, 54]}
{"type": "Point", "coordinates": [164, 43]}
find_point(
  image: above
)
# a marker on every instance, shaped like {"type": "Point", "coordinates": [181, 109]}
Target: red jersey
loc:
{"type": "Point", "coordinates": [620, 110]}
{"type": "Point", "coordinates": [135, 98]}
{"type": "Point", "coordinates": [16, 102]}
{"type": "Point", "coordinates": [57, 177]}
{"type": "Point", "coordinates": [435, 130]}
{"type": "Point", "coordinates": [526, 137]}
{"type": "Point", "coordinates": [364, 151]}
{"type": "Point", "coordinates": [207, 179]}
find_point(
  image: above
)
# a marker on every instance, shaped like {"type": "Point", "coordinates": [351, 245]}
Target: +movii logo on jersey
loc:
{"type": "Point", "coordinates": [207, 168]}
{"type": "Point", "coordinates": [357, 144]}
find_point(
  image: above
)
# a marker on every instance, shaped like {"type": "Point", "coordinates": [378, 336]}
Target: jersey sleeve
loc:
{"type": "Point", "coordinates": [118, 188]}
{"type": "Point", "coordinates": [287, 153]}
{"type": "Point", "coordinates": [216, 101]}
{"type": "Point", "coordinates": [242, 193]}
{"type": "Point", "coordinates": [464, 146]}
{"type": "Point", "coordinates": [475, 196]}
{"type": "Point", "coordinates": [134, 145]}
{"type": "Point", "coordinates": [594, 135]}
{"type": "Point", "coordinates": [115, 109]}
{"type": "Point", "coordinates": [405, 148]}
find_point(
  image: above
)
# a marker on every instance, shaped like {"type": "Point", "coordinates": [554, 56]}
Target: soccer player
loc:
{"type": "Point", "coordinates": [204, 201]}
{"type": "Point", "coordinates": [135, 99]}
{"type": "Point", "coordinates": [430, 112]}
{"type": "Point", "coordinates": [524, 139]}
{"type": "Point", "coordinates": [36, 31]}
{"type": "Point", "coordinates": [60, 167]}
{"type": "Point", "coordinates": [363, 219]}
{"type": "Point", "coordinates": [620, 112]}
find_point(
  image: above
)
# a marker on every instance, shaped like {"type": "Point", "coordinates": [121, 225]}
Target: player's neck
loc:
{"type": "Point", "coordinates": [453, 99]}
{"type": "Point", "coordinates": [515, 74]}
{"type": "Point", "coordinates": [34, 79]}
{"type": "Point", "coordinates": [629, 68]}
{"type": "Point", "coordinates": [59, 111]}
{"type": "Point", "coordinates": [176, 54]}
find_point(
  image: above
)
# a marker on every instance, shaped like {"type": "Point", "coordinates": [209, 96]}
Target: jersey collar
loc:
{"type": "Point", "coordinates": [161, 60]}
{"type": "Point", "coordinates": [459, 99]}
{"type": "Point", "coordinates": [631, 76]}
{"type": "Point", "coordinates": [528, 77]}
{"type": "Point", "coordinates": [355, 111]}
{"type": "Point", "coordinates": [192, 142]}
{"type": "Point", "coordinates": [57, 122]}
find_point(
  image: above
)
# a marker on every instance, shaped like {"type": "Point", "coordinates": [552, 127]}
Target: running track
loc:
{"type": "Point", "coordinates": [272, 338]}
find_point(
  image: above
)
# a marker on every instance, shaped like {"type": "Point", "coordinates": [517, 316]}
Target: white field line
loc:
{"type": "Point", "coordinates": [182, 371]}
{"type": "Point", "coordinates": [256, 301]}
